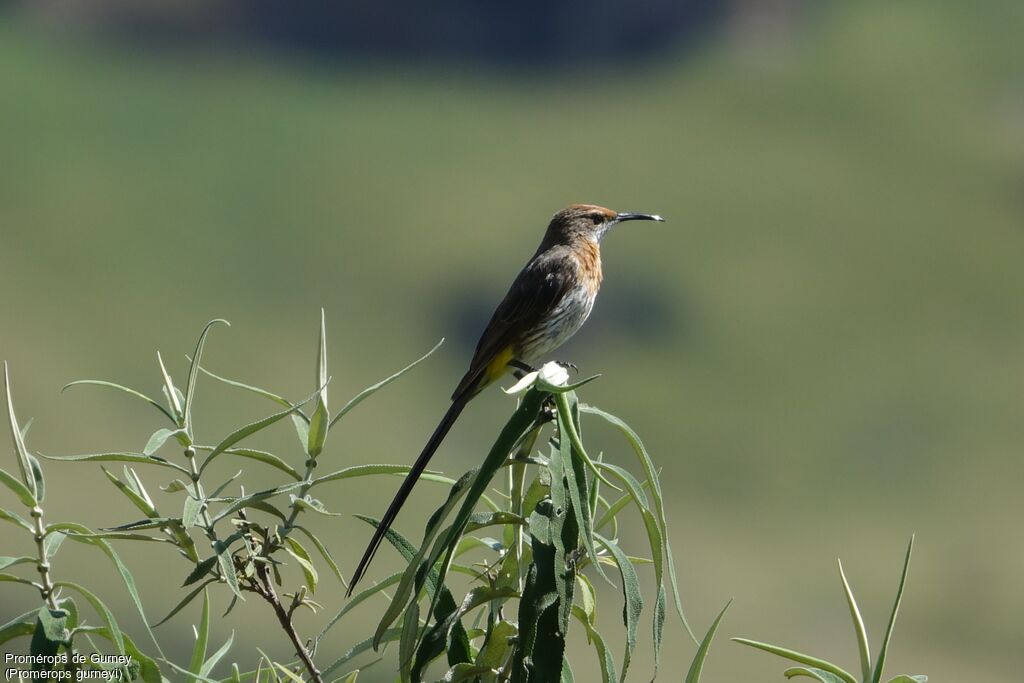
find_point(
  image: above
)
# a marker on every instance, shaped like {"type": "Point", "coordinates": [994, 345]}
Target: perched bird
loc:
{"type": "Point", "coordinates": [547, 303]}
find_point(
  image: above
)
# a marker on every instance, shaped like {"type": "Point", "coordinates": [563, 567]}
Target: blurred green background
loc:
{"type": "Point", "coordinates": [823, 347]}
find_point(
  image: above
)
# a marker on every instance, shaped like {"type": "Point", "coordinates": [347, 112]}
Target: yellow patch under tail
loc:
{"type": "Point", "coordinates": [496, 368]}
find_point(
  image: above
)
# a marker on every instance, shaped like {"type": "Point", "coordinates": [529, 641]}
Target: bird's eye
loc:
{"type": "Point", "coordinates": [596, 218]}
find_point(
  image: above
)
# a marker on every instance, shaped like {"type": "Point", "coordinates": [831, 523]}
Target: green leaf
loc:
{"type": "Point", "coordinates": [51, 543]}
{"type": "Point", "coordinates": [884, 651]}
{"type": "Point", "coordinates": [466, 672]}
{"type": "Point", "coordinates": [655, 487]}
{"type": "Point", "coordinates": [82, 534]}
{"type": "Point", "coordinates": [657, 545]}
{"type": "Point", "coordinates": [24, 625]}
{"type": "Point", "coordinates": [25, 427]}
{"type": "Point", "coordinates": [197, 677]}
{"type": "Point", "coordinates": [170, 391]}
{"type": "Point", "coordinates": [289, 674]}
{"type": "Point", "coordinates": [313, 505]}
{"type": "Point", "coordinates": [151, 523]}
{"type": "Point", "coordinates": [497, 645]}
{"type": "Point", "coordinates": [407, 643]}
{"type": "Point", "coordinates": [6, 562]}
{"type": "Point", "coordinates": [458, 642]}
{"type": "Point", "coordinates": [227, 567]}
{"type": "Point", "coordinates": [250, 429]}
{"type": "Point", "coordinates": [858, 626]}
{"type": "Point", "coordinates": [324, 552]}
{"type": "Point", "coordinates": [149, 672]}
{"type": "Point", "coordinates": [369, 391]}
{"type": "Point", "coordinates": [126, 536]}
{"type": "Point", "coordinates": [54, 623]}
{"type": "Point", "coordinates": [319, 421]}
{"type": "Point", "coordinates": [359, 648]}
{"type": "Point", "coordinates": [810, 672]}
{"type": "Point", "coordinates": [633, 599]}
{"type": "Point", "coordinates": [195, 665]}
{"type": "Point", "coordinates": [200, 570]}
{"type": "Point", "coordinates": [193, 372]}
{"type": "Point", "coordinates": [20, 451]}
{"type": "Point", "coordinates": [280, 400]}
{"type": "Point", "coordinates": [192, 508]}
{"type": "Point", "coordinates": [137, 500]}
{"type": "Point", "coordinates": [264, 506]}
{"type": "Point", "coordinates": [187, 599]}
{"type": "Point", "coordinates": [15, 519]}
{"type": "Point", "coordinates": [604, 657]}
{"type": "Point", "coordinates": [301, 556]}
{"type": "Point", "coordinates": [800, 658]}
{"type": "Point", "coordinates": [50, 633]}
{"type": "Point", "coordinates": [920, 678]}
{"type": "Point", "coordinates": [159, 438]}
{"type": "Point", "coordinates": [101, 383]}
{"type": "Point", "coordinates": [20, 490]}
{"type": "Point", "coordinates": [554, 533]}
{"type": "Point", "coordinates": [259, 456]}
{"type": "Point", "coordinates": [118, 457]}
{"type": "Point", "coordinates": [37, 477]}
{"type": "Point", "coordinates": [360, 597]}
{"type": "Point", "coordinates": [373, 469]}
{"type": "Point", "coordinates": [301, 423]}
{"type": "Point", "coordinates": [571, 453]}
{"type": "Point", "coordinates": [405, 586]}
{"type": "Point", "coordinates": [588, 598]}
{"type": "Point", "coordinates": [217, 656]}
{"type": "Point", "coordinates": [108, 617]}
{"type": "Point", "coordinates": [697, 666]}
{"type": "Point", "coordinates": [245, 501]}
{"type": "Point", "coordinates": [438, 635]}
{"type": "Point", "coordinates": [562, 401]}
{"type": "Point", "coordinates": [518, 425]}
{"type": "Point", "coordinates": [11, 578]}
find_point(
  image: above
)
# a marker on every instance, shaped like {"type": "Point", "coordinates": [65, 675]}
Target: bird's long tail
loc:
{"type": "Point", "coordinates": [410, 481]}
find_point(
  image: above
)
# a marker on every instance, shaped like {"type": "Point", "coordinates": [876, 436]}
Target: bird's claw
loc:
{"type": "Point", "coordinates": [568, 366]}
{"type": "Point", "coordinates": [521, 369]}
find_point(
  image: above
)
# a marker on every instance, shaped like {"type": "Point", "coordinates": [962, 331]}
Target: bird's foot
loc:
{"type": "Point", "coordinates": [521, 368]}
{"type": "Point", "coordinates": [568, 366]}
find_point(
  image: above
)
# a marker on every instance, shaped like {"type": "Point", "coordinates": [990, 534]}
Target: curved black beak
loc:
{"type": "Point", "coordinates": [638, 217]}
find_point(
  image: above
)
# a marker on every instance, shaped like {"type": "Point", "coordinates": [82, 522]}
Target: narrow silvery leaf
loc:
{"type": "Point", "coordinates": [884, 650]}
{"type": "Point", "coordinates": [202, 638]}
{"type": "Point", "coordinates": [697, 666]}
{"type": "Point", "coordinates": [24, 467]}
{"type": "Point", "coordinates": [190, 388]}
{"type": "Point", "coordinates": [800, 658]}
{"type": "Point", "coordinates": [632, 596]}
{"type": "Point", "coordinates": [26, 496]}
{"type": "Point", "coordinates": [370, 390]}
{"type": "Point", "coordinates": [320, 420]}
{"type": "Point", "coordinates": [249, 429]}
{"type": "Point", "coordinates": [170, 390]}
{"type": "Point", "coordinates": [127, 390]}
{"type": "Point", "coordinates": [858, 626]}
{"type": "Point", "coordinates": [158, 439]}
{"type": "Point", "coordinates": [810, 672]}
{"type": "Point", "coordinates": [604, 656]}
{"type": "Point", "coordinates": [101, 609]}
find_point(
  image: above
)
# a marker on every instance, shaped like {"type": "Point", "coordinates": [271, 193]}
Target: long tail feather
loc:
{"type": "Point", "coordinates": [407, 485]}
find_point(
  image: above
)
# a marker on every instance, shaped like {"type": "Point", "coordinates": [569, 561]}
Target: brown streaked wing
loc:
{"type": "Point", "coordinates": [535, 292]}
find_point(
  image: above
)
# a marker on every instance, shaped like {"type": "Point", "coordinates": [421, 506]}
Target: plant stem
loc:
{"type": "Point", "coordinates": [307, 483]}
{"type": "Point", "coordinates": [46, 585]}
{"type": "Point", "coordinates": [265, 588]}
